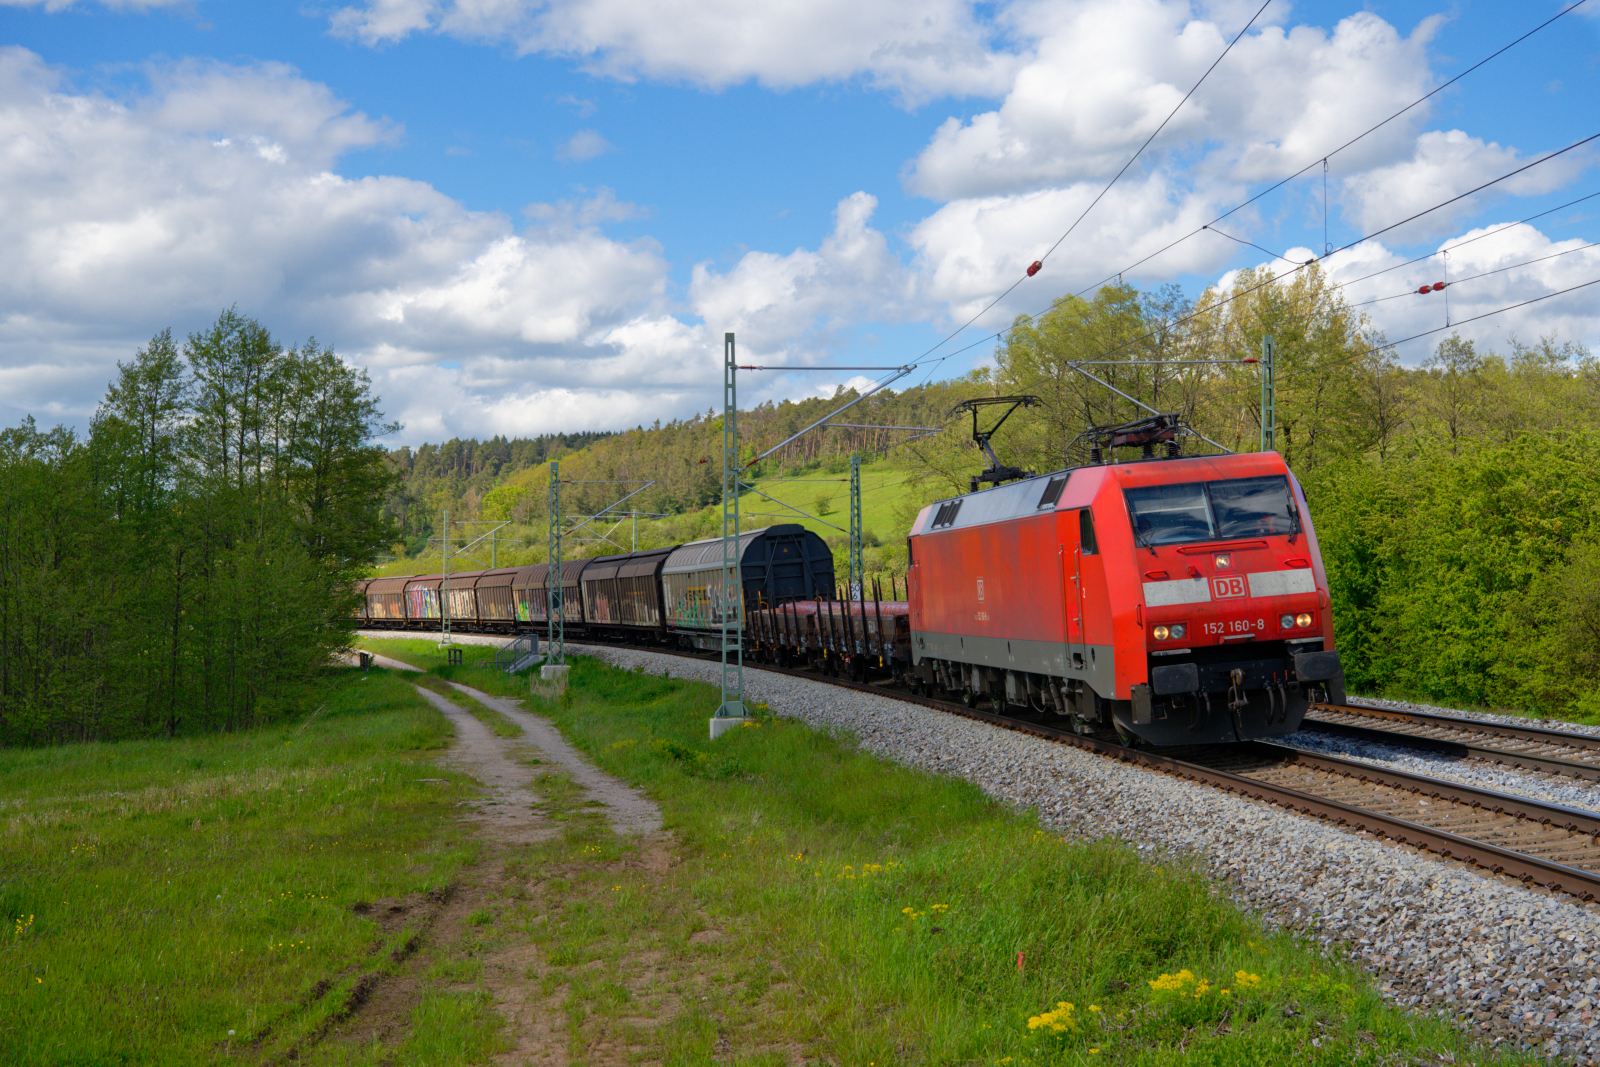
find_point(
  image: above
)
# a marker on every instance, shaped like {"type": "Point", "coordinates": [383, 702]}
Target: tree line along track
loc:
{"type": "Point", "coordinates": [1547, 845]}
{"type": "Point", "coordinates": [1524, 747]}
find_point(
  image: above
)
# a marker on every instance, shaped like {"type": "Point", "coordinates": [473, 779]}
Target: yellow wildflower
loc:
{"type": "Point", "coordinates": [1058, 1021]}
{"type": "Point", "coordinates": [1173, 983]}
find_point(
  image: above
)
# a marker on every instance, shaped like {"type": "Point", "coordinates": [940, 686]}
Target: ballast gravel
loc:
{"type": "Point", "coordinates": [1514, 964]}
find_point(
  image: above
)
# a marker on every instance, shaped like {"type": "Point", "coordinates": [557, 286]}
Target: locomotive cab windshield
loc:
{"type": "Point", "coordinates": [1191, 512]}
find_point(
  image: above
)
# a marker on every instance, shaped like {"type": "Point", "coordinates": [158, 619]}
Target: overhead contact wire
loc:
{"type": "Point", "coordinates": [1485, 274]}
{"type": "Point", "coordinates": [1470, 240]}
{"type": "Point", "coordinates": [1324, 158]}
{"type": "Point", "coordinates": [1034, 267]}
{"type": "Point", "coordinates": [1346, 247]}
{"type": "Point", "coordinates": [1463, 322]}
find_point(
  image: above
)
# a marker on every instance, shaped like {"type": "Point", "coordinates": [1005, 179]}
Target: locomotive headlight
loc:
{"type": "Point", "coordinates": [1303, 619]}
{"type": "Point", "coordinates": [1160, 633]}
{"type": "Point", "coordinates": [1224, 561]}
{"type": "Point", "coordinates": [1178, 631]}
{"type": "Point", "coordinates": [1287, 622]}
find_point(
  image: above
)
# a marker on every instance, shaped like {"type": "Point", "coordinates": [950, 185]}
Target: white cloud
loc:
{"type": "Point", "coordinates": [916, 51]}
{"type": "Point", "coordinates": [972, 249]}
{"type": "Point", "coordinates": [582, 106]}
{"type": "Point", "coordinates": [603, 206]}
{"type": "Point", "coordinates": [585, 144]}
{"type": "Point", "coordinates": [798, 304]}
{"type": "Point", "coordinates": [1446, 164]}
{"type": "Point", "coordinates": [1107, 72]}
{"type": "Point", "coordinates": [216, 189]}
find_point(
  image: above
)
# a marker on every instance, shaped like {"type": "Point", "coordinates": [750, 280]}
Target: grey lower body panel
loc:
{"type": "Point", "coordinates": [1091, 664]}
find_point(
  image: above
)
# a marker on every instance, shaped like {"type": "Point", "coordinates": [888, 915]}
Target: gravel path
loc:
{"type": "Point", "coordinates": [1515, 964]}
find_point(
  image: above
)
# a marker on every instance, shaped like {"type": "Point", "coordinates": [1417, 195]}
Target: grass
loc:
{"type": "Point", "coordinates": [189, 900]}
{"type": "Point", "coordinates": [827, 903]}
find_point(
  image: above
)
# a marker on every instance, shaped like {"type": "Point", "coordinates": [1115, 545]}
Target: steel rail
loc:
{"type": "Point", "coordinates": [1529, 869]}
{"type": "Point", "coordinates": [1459, 749]}
{"type": "Point", "coordinates": [1481, 726]}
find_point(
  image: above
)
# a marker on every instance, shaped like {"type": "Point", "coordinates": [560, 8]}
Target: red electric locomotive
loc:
{"type": "Point", "coordinates": [1176, 600]}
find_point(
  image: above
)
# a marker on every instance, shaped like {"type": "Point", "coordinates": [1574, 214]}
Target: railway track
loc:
{"type": "Point", "coordinates": [1524, 747]}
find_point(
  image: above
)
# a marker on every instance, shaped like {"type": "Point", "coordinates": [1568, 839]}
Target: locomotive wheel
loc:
{"type": "Point", "coordinates": [969, 699]}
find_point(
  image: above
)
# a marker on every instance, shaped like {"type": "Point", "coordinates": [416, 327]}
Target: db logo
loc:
{"type": "Point", "coordinates": [1228, 588]}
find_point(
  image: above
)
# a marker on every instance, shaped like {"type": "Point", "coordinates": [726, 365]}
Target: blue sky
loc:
{"type": "Point", "coordinates": [528, 217]}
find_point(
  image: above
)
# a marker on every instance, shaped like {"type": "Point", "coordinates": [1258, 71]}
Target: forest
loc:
{"type": "Point", "coordinates": [187, 565]}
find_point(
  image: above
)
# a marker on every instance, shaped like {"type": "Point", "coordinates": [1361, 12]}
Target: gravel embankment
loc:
{"type": "Point", "coordinates": [1515, 964]}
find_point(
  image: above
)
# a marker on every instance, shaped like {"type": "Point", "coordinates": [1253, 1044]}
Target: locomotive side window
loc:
{"type": "Point", "coordinates": [1253, 507]}
{"type": "Point", "coordinates": [1212, 511]}
{"type": "Point", "coordinates": [1086, 540]}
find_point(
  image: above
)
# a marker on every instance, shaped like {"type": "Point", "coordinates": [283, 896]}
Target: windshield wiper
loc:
{"type": "Point", "coordinates": [1141, 539]}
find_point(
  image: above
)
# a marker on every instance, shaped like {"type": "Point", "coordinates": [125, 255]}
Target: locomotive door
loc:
{"type": "Point", "coordinates": [1080, 535]}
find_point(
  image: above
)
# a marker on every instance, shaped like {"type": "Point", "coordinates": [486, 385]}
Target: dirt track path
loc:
{"type": "Point", "coordinates": [517, 807]}
{"type": "Point", "coordinates": [629, 811]}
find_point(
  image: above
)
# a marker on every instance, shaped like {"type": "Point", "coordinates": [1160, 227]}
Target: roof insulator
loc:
{"type": "Point", "coordinates": [1035, 268]}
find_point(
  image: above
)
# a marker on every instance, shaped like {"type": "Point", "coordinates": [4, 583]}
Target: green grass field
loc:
{"type": "Point", "coordinates": [194, 900]}
{"type": "Point", "coordinates": [871, 914]}
{"type": "Point", "coordinates": [811, 901]}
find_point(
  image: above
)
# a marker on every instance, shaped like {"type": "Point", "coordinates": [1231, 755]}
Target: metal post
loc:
{"type": "Point", "coordinates": [444, 587]}
{"type": "Point", "coordinates": [732, 706]}
{"type": "Point", "coordinates": [1269, 396]}
{"type": "Point", "coordinates": [557, 656]}
{"type": "Point", "coordinates": [856, 575]}
{"type": "Point", "coordinates": [636, 531]}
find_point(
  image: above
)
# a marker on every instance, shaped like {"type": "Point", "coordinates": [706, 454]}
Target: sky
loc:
{"type": "Point", "coordinates": [530, 217]}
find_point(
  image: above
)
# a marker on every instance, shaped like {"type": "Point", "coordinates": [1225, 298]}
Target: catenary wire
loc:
{"type": "Point", "coordinates": [985, 310]}
{"type": "Point", "coordinates": [1484, 274]}
{"type": "Point", "coordinates": [1461, 322]}
{"type": "Point", "coordinates": [1250, 244]}
{"type": "Point", "coordinates": [1346, 247]}
{"type": "Point", "coordinates": [1470, 240]}
{"type": "Point", "coordinates": [1323, 159]}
